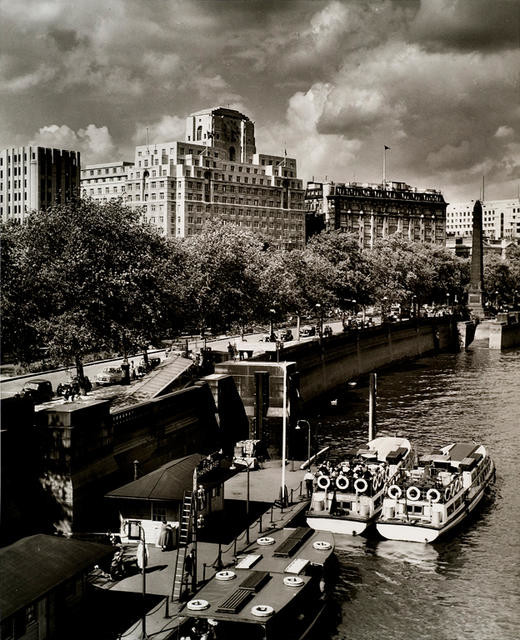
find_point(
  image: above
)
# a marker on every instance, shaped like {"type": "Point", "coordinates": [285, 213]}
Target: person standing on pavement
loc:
{"type": "Point", "coordinates": [309, 482]}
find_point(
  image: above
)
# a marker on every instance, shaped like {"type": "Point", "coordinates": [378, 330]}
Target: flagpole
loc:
{"type": "Point", "coordinates": [385, 149]}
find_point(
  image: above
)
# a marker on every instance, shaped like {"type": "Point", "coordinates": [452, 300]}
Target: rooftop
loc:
{"type": "Point", "coordinates": [33, 566]}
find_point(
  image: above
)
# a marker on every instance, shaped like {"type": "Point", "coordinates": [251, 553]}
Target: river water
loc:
{"type": "Point", "coordinates": [468, 585]}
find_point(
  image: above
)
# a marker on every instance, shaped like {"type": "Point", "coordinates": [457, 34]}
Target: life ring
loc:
{"type": "Point", "coordinates": [458, 484]}
{"type": "Point", "coordinates": [394, 492]}
{"type": "Point", "coordinates": [433, 495]}
{"type": "Point", "coordinates": [413, 493]}
{"type": "Point", "coordinates": [265, 541]}
{"type": "Point", "coordinates": [197, 605]}
{"type": "Point", "coordinates": [225, 575]}
{"type": "Point", "coordinates": [262, 610]}
{"type": "Point", "coordinates": [342, 483]}
{"type": "Point", "coordinates": [322, 545]}
{"type": "Point", "coordinates": [293, 581]}
{"type": "Point", "coordinates": [323, 482]}
{"type": "Point", "coordinates": [447, 494]}
{"type": "Point", "coordinates": [360, 485]}
{"type": "Point", "coordinates": [377, 481]}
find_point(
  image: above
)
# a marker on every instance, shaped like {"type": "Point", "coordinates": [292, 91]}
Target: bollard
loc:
{"type": "Point", "coordinates": [272, 507]}
{"type": "Point", "coordinates": [203, 572]}
{"type": "Point", "coordinates": [235, 547]}
{"type": "Point", "coordinates": [291, 496]}
{"type": "Point", "coordinates": [166, 607]}
{"type": "Point", "coordinates": [260, 524]}
{"type": "Point", "coordinates": [301, 488]}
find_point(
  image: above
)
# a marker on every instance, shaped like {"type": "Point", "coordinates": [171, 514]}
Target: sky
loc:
{"type": "Point", "coordinates": [331, 82]}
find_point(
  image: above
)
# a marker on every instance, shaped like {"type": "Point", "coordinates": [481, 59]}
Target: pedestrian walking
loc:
{"type": "Point", "coordinates": [309, 482]}
{"type": "Point", "coordinates": [165, 537]}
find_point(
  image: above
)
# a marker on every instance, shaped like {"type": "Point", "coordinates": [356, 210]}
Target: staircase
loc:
{"type": "Point", "coordinates": [184, 538]}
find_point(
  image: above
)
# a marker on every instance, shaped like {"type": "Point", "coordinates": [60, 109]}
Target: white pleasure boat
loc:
{"type": "Point", "coordinates": [437, 494]}
{"type": "Point", "coordinates": [348, 496]}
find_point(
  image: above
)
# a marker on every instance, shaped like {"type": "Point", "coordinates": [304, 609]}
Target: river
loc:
{"type": "Point", "coordinates": [468, 585]}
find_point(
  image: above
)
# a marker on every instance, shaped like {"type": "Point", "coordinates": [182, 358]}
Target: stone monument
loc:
{"type": "Point", "coordinates": [476, 283]}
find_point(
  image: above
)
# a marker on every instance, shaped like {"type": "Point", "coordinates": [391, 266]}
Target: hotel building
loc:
{"type": "Point", "coordinates": [375, 211]}
{"type": "Point", "coordinates": [33, 178]}
{"type": "Point", "coordinates": [215, 173]}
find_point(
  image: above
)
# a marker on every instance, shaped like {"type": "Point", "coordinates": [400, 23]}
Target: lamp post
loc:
{"type": "Point", "coordinates": [384, 300]}
{"type": "Point", "coordinates": [271, 324]}
{"type": "Point", "coordinates": [320, 319]}
{"type": "Point", "coordinates": [496, 299]}
{"type": "Point", "coordinates": [136, 532]}
{"type": "Point", "coordinates": [298, 428]}
{"type": "Point", "coordinates": [414, 307]}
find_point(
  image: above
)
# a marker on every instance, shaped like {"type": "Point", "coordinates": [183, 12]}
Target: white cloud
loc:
{"type": "Point", "coordinates": [167, 129]}
{"type": "Point", "coordinates": [504, 132]}
{"type": "Point", "coordinates": [94, 143]}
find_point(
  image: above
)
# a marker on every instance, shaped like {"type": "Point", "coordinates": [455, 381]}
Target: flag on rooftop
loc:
{"type": "Point", "coordinates": [386, 147]}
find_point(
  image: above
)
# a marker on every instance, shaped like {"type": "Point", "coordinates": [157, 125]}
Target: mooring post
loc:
{"type": "Point", "coordinates": [372, 406]}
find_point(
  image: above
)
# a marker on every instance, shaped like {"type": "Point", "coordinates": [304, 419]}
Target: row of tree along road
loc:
{"type": "Point", "coordinates": [84, 278]}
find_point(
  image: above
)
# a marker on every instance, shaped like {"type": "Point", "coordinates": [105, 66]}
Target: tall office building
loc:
{"type": "Point", "coordinates": [105, 182]}
{"type": "Point", "coordinates": [33, 178]}
{"type": "Point", "coordinates": [216, 173]}
{"type": "Point", "coordinates": [500, 219]}
{"type": "Point", "coordinates": [377, 211]}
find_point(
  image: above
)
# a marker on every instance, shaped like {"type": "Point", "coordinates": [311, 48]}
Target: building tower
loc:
{"type": "Point", "coordinates": [476, 284]}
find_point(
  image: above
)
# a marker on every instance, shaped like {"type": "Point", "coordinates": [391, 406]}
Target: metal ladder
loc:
{"type": "Point", "coordinates": [184, 539]}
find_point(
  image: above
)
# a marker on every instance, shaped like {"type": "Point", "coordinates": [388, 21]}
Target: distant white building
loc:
{"type": "Point", "coordinates": [105, 182]}
{"type": "Point", "coordinates": [500, 219]}
{"type": "Point", "coordinates": [33, 178]}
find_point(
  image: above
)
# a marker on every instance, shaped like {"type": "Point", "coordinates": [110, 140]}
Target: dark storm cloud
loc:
{"type": "Point", "coordinates": [438, 80]}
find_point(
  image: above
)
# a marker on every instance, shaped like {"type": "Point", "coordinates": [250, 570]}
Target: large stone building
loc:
{"type": "Point", "coordinates": [375, 211]}
{"type": "Point", "coordinates": [215, 173]}
{"type": "Point", "coordinates": [500, 219]}
{"type": "Point", "coordinates": [105, 182]}
{"type": "Point", "coordinates": [33, 178]}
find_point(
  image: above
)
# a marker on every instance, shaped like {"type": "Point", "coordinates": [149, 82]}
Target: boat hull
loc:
{"type": "Point", "coordinates": [342, 526]}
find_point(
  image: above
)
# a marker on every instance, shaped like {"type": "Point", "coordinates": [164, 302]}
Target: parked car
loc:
{"type": "Point", "coordinates": [307, 332]}
{"type": "Point", "coordinates": [286, 335]}
{"type": "Point", "coordinates": [39, 390]}
{"type": "Point", "coordinates": [109, 375]}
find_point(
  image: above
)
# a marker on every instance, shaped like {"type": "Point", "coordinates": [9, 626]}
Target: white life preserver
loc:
{"type": "Point", "coordinates": [322, 545]}
{"type": "Point", "coordinates": [265, 541]}
{"type": "Point", "coordinates": [225, 575]}
{"type": "Point", "coordinates": [262, 610]}
{"type": "Point", "coordinates": [197, 605]}
{"type": "Point", "coordinates": [458, 484]}
{"type": "Point", "coordinates": [394, 492]}
{"type": "Point", "coordinates": [360, 485]}
{"type": "Point", "coordinates": [433, 495]}
{"type": "Point", "coordinates": [447, 494]}
{"type": "Point", "coordinates": [293, 581]}
{"type": "Point", "coordinates": [376, 482]}
{"type": "Point", "coordinates": [342, 483]}
{"type": "Point", "coordinates": [413, 493]}
{"type": "Point", "coordinates": [323, 482]}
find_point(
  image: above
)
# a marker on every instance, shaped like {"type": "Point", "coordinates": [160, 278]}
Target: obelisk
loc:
{"type": "Point", "coordinates": [476, 283]}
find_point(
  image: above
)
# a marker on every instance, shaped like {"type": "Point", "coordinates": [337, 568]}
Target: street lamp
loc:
{"type": "Point", "coordinates": [298, 428]}
{"type": "Point", "coordinates": [136, 532]}
{"type": "Point", "coordinates": [384, 301]}
{"type": "Point", "coordinates": [320, 319]}
{"type": "Point", "coordinates": [271, 323]}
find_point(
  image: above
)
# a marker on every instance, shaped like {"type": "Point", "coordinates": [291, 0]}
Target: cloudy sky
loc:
{"type": "Point", "coordinates": [332, 81]}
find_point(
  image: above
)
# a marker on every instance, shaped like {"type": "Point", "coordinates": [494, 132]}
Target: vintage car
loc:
{"type": "Point", "coordinates": [39, 390]}
{"type": "Point", "coordinates": [109, 375]}
{"type": "Point", "coordinates": [307, 332]}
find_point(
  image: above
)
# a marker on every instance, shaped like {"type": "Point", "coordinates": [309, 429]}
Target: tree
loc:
{"type": "Point", "coordinates": [222, 272]}
{"type": "Point", "coordinates": [88, 277]}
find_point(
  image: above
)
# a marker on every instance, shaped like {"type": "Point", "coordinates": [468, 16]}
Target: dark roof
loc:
{"type": "Point", "coordinates": [165, 483]}
{"type": "Point", "coordinates": [33, 566]}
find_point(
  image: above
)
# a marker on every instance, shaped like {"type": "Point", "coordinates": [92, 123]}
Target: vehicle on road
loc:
{"type": "Point", "coordinates": [286, 335]}
{"type": "Point", "coordinates": [39, 390]}
{"type": "Point", "coordinates": [307, 332]}
{"type": "Point", "coordinates": [109, 375]}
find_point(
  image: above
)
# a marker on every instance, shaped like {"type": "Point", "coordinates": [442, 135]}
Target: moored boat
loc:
{"type": "Point", "coordinates": [275, 590]}
{"type": "Point", "coordinates": [347, 497]}
{"type": "Point", "coordinates": [437, 494]}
